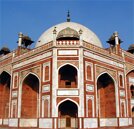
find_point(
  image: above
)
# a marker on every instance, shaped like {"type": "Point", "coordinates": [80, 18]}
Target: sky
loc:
{"type": "Point", "coordinates": [33, 17]}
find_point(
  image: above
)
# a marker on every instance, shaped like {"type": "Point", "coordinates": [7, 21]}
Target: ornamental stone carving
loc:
{"type": "Point", "coordinates": [100, 70]}
{"type": "Point", "coordinates": [75, 63]}
{"type": "Point", "coordinates": [129, 67]}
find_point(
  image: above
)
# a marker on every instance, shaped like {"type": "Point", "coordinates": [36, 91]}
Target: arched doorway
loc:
{"type": "Point", "coordinates": [67, 77]}
{"type": "Point", "coordinates": [5, 79]}
{"type": "Point", "coordinates": [106, 96]}
{"type": "Point", "coordinates": [30, 91]}
{"type": "Point", "coordinates": [68, 114]}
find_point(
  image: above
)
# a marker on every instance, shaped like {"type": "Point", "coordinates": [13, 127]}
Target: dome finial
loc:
{"type": "Point", "coordinates": [68, 16]}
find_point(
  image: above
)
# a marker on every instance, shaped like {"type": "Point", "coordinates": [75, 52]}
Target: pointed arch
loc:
{"type": "Point", "coordinates": [47, 72]}
{"type": "Point", "coordinates": [89, 72]}
{"type": "Point", "coordinates": [5, 81]}
{"type": "Point", "coordinates": [29, 96]}
{"type": "Point", "coordinates": [69, 100]}
{"type": "Point", "coordinates": [68, 108]}
{"type": "Point", "coordinates": [90, 110]}
{"type": "Point", "coordinates": [6, 72]}
{"type": "Point", "coordinates": [132, 69]}
{"type": "Point", "coordinates": [106, 94]}
{"type": "Point", "coordinates": [68, 76]}
{"type": "Point", "coordinates": [121, 80]}
{"type": "Point", "coordinates": [68, 111]}
{"type": "Point", "coordinates": [69, 64]}
{"type": "Point", "coordinates": [32, 74]}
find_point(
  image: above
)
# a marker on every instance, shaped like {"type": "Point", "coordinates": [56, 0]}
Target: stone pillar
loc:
{"type": "Point", "coordinates": [54, 83]}
{"type": "Point", "coordinates": [81, 83]}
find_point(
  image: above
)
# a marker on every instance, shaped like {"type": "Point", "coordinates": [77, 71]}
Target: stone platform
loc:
{"type": "Point", "coordinates": [130, 127]}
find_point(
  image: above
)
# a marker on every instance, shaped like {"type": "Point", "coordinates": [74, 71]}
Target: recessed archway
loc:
{"type": "Point", "coordinates": [30, 91]}
{"type": "Point", "coordinates": [5, 79]}
{"type": "Point", "coordinates": [67, 77]}
{"type": "Point", "coordinates": [68, 112]}
{"type": "Point", "coordinates": [68, 109]}
{"type": "Point", "coordinates": [106, 96]}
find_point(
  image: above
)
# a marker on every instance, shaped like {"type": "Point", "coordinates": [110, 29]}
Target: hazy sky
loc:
{"type": "Point", "coordinates": [33, 17]}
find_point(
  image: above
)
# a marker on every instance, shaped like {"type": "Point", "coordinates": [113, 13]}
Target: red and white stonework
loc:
{"type": "Point", "coordinates": [67, 81]}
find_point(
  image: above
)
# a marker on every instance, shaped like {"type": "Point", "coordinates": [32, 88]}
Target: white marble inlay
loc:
{"type": "Point", "coordinates": [46, 88]}
{"type": "Point", "coordinates": [72, 92]}
{"type": "Point", "coordinates": [90, 123]}
{"type": "Point", "coordinates": [33, 59]}
{"type": "Point", "coordinates": [5, 121]}
{"type": "Point", "coordinates": [28, 122]}
{"type": "Point", "coordinates": [80, 123]}
{"type": "Point", "coordinates": [89, 87]}
{"type": "Point", "coordinates": [123, 122]}
{"type": "Point", "coordinates": [13, 122]}
{"type": "Point", "coordinates": [122, 93]}
{"type": "Point", "coordinates": [130, 121]}
{"type": "Point", "coordinates": [0, 121]}
{"type": "Point", "coordinates": [45, 123]}
{"type": "Point", "coordinates": [132, 101]}
{"type": "Point", "coordinates": [14, 94]}
{"type": "Point", "coordinates": [103, 59]}
{"type": "Point", "coordinates": [108, 122]}
{"type": "Point", "coordinates": [67, 52]}
{"type": "Point", "coordinates": [131, 80]}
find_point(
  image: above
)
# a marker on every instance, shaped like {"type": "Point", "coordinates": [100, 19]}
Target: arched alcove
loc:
{"type": "Point", "coordinates": [47, 72]}
{"type": "Point", "coordinates": [68, 109]}
{"type": "Point", "coordinates": [68, 112]}
{"type": "Point", "coordinates": [30, 91]}
{"type": "Point", "coordinates": [106, 96]}
{"type": "Point", "coordinates": [5, 79]}
{"type": "Point", "coordinates": [68, 77]}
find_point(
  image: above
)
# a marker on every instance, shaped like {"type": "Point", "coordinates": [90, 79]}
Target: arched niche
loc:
{"type": "Point", "coordinates": [68, 77]}
{"type": "Point", "coordinates": [30, 91]}
{"type": "Point", "coordinates": [106, 96]}
{"type": "Point", "coordinates": [5, 80]}
{"type": "Point", "coordinates": [68, 112]}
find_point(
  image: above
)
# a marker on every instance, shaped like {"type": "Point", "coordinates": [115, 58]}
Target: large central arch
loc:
{"type": "Point", "coordinates": [106, 96]}
{"type": "Point", "coordinates": [5, 79]}
{"type": "Point", "coordinates": [68, 113]}
{"type": "Point", "coordinates": [30, 93]}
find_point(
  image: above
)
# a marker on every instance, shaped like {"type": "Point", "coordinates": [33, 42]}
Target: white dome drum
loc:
{"type": "Point", "coordinates": [74, 28]}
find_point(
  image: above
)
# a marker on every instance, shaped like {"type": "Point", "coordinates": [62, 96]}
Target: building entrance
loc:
{"type": "Point", "coordinates": [68, 115]}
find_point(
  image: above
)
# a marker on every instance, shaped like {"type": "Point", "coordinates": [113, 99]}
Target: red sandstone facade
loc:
{"type": "Point", "coordinates": [67, 83]}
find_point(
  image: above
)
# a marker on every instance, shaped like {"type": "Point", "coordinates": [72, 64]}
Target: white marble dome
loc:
{"type": "Point", "coordinates": [87, 35]}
